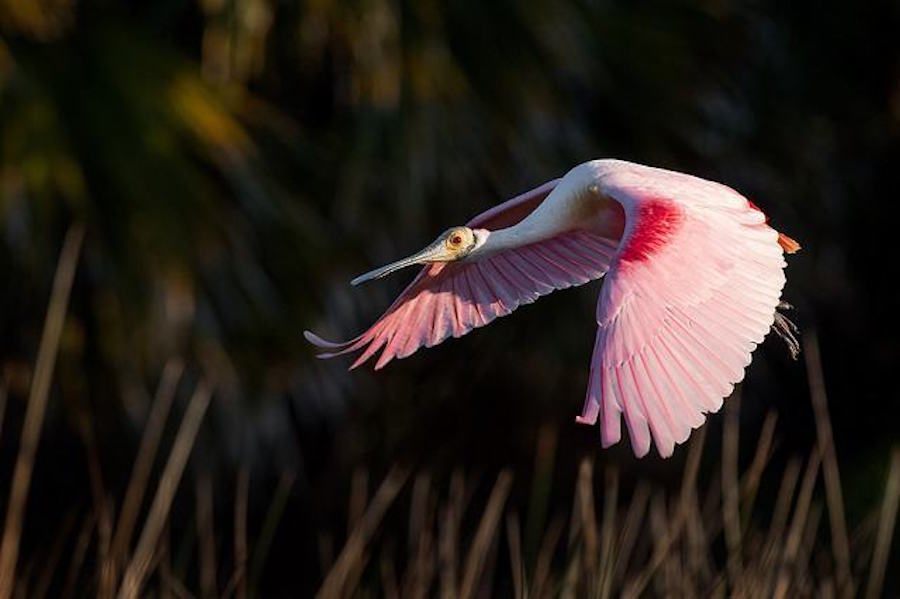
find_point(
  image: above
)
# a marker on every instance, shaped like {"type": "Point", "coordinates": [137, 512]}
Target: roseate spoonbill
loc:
{"type": "Point", "coordinates": [693, 271]}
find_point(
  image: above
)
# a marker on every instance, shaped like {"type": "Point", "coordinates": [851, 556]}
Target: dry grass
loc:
{"type": "Point", "coordinates": [645, 542]}
{"type": "Point", "coordinates": [651, 543]}
{"type": "Point", "coordinates": [886, 523]}
{"type": "Point", "coordinates": [143, 462]}
{"type": "Point", "coordinates": [694, 541]}
{"type": "Point", "coordinates": [146, 548]}
{"type": "Point", "coordinates": [37, 405]}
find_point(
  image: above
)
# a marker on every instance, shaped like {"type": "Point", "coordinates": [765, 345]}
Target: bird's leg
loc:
{"type": "Point", "coordinates": [786, 329]}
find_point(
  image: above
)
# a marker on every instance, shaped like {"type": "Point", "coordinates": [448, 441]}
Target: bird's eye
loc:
{"type": "Point", "coordinates": [456, 240]}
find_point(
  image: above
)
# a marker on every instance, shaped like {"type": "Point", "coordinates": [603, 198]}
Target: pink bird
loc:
{"type": "Point", "coordinates": [694, 276]}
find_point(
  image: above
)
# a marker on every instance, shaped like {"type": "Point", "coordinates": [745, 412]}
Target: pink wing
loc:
{"type": "Point", "coordinates": [691, 292]}
{"type": "Point", "coordinates": [454, 298]}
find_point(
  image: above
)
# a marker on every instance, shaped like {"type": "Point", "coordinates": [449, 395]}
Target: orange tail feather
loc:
{"type": "Point", "coordinates": [787, 244]}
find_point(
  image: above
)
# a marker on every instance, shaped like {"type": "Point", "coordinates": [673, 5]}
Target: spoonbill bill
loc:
{"type": "Point", "coordinates": [694, 275]}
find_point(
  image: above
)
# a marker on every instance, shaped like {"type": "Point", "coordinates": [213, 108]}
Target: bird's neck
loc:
{"type": "Point", "coordinates": [493, 242]}
{"type": "Point", "coordinates": [577, 202]}
{"type": "Point", "coordinates": [563, 210]}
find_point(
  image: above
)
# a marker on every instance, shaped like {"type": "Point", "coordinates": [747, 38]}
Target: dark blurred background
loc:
{"type": "Point", "coordinates": [236, 162]}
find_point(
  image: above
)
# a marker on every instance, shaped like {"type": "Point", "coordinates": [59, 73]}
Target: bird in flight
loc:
{"type": "Point", "coordinates": [693, 281]}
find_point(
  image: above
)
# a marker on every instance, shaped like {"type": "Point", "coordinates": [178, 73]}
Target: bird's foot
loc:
{"type": "Point", "coordinates": [786, 329]}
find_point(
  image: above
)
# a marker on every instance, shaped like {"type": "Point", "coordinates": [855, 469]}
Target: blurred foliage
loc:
{"type": "Point", "coordinates": [237, 161]}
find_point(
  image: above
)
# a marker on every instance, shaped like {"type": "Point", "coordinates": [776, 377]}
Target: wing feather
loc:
{"type": "Point", "coordinates": [533, 277]}
{"type": "Point", "coordinates": [654, 411]}
{"type": "Point", "coordinates": [635, 417]}
{"type": "Point", "coordinates": [550, 262]}
{"type": "Point", "coordinates": [447, 300]}
{"type": "Point", "coordinates": [691, 290]}
{"type": "Point", "coordinates": [683, 409]}
{"type": "Point", "coordinates": [612, 408]}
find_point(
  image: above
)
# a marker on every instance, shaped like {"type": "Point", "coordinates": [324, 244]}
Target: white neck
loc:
{"type": "Point", "coordinates": [581, 200]}
{"type": "Point", "coordinates": [568, 206]}
{"type": "Point", "coordinates": [519, 235]}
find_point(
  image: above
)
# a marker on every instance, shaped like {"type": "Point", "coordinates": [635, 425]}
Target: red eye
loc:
{"type": "Point", "coordinates": [456, 240]}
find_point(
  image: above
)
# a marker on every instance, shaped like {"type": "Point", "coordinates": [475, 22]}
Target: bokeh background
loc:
{"type": "Point", "coordinates": [236, 162]}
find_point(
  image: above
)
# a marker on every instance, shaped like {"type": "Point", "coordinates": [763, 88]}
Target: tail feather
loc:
{"type": "Point", "coordinates": [787, 244]}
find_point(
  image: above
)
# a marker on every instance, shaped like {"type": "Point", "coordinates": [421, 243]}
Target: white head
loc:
{"type": "Point", "coordinates": [453, 244]}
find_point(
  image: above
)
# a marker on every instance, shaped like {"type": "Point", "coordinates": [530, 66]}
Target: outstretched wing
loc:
{"type": "Point", "coordinates": [691, 292]}
{"type": "Point", "coordinates": [452, 299]}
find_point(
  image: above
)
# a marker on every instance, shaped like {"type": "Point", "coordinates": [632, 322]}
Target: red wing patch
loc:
{"type": "Point", "coordinates": [657, 221]}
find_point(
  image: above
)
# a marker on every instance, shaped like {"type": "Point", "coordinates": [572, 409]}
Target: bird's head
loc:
{"type": "Point", "coordinates": [453, 244]}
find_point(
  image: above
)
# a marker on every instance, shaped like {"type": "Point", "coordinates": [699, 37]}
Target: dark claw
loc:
{"type": "Point", "coordinates": [787, 330]}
